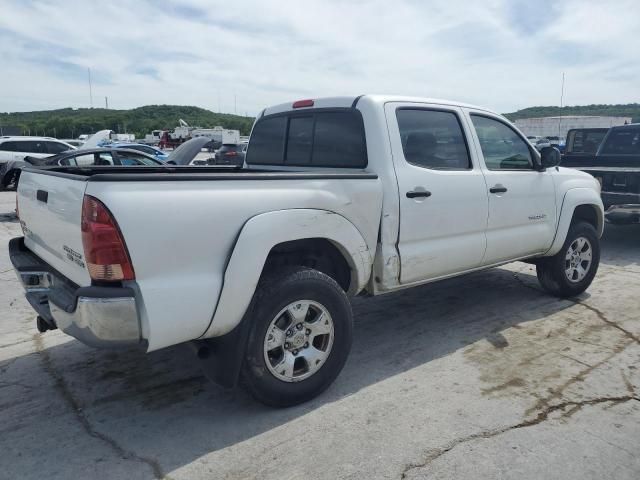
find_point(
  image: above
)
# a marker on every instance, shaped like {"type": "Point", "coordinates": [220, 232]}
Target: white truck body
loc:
{"type": "Point", "coordinates": [199, 240]}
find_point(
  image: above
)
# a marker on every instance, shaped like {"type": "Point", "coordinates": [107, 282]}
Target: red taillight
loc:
{"type": "Point", "coordinates": [231, 154]}
{"type": "Point", "coordinates": [104, 250]}
{"type": "Point", "coordinates": [303, 103]}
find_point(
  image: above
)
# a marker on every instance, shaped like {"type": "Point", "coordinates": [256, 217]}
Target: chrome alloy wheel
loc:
{"type": "Point", "coordinates": [577, 260]}
{"type": "Point", "coordinates": [298, 341]}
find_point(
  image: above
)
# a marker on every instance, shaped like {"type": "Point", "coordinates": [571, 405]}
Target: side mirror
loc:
{"type": "Point", "coordinates": [549, 157]}
{"type": "Point", "coordinates": [171, 162]}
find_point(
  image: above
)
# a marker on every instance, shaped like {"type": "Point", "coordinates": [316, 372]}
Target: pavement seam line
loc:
{"type": "Point", "coordinates": [538, 419]}
{"type": "Point", "coordinates": [65, 392]}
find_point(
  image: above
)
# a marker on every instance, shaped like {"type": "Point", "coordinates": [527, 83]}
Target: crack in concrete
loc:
{"type": "Point", "coordinates": [15, 343]}
{"type": "Point", "coordinates": [557, 393]}
{"type": "Point", "coordinates": [604, 318]}
{"type": "Point", "coordinates": [542, 416]}
{"type": "Point", "coordinates": [593, 309]}
{"type": "Point", "coordinates": [65, 392]}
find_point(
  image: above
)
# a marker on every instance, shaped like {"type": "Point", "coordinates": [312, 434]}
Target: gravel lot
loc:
{"type": "Point", "coordinates": [483, 376]}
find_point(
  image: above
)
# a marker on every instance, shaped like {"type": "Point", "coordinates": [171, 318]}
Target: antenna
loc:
{"type": "Point", "coordinates": [106, 103]}
{"type": "Point", "coordinates": [561, 105]}
{"type": "Point", "coordinates": [235, 104]}
{"type": "Point", "coordinates": [90, 92]}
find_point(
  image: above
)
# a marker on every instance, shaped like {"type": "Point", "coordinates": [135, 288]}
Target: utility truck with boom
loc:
{"type": "Point", "coordinates": [255, 267]}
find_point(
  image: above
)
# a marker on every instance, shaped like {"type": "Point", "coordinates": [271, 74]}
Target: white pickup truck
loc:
{"type": "Point", "coordinates": [338, 197]}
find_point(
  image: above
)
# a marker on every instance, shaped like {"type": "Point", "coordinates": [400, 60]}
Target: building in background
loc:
{"type": "Point", "coordinates": [10, 131]}
{"type": "Point", "coordinates": [559, 126]}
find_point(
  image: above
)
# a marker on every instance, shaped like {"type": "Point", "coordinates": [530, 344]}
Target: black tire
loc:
{"type": "Point", "coordinates": [551, 270]}
{"type": "Point", "coordinates": [274, 293]}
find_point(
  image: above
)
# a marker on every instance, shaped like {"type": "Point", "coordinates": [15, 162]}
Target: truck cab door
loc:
{"type": "Point", "coordinates": [443, 195]}
{"type": "Point", "coordinates": [522, 200]}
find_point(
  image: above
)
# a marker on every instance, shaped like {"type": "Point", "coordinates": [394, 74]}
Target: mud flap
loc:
{"type": "Point", "coordinates": [221, 357]}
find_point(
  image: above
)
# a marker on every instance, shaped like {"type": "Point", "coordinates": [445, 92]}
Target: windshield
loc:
{"type": "Point", "coordinates": [623, 141]}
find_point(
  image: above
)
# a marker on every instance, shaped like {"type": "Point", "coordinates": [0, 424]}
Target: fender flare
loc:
{"type": "Point", "coordinates": [573, 198]}
{"type": "Point", "coordinates": [256, 240]}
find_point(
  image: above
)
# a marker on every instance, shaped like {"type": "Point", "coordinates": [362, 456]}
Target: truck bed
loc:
{"type": "Point", "coordinates": [180, 225]}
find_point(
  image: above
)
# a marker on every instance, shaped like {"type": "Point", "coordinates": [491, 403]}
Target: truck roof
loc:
{"type": "Point", "coordinates": [352, 100]}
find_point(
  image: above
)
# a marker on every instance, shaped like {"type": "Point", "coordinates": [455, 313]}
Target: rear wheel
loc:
{"type": "Point", "coordinates": [300, 337]}
{"type": "Point", "coordinates": [572, 269]}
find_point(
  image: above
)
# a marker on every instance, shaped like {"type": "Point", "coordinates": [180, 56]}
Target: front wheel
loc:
{"type": "Point", "coordinates": [570, 272]}
{"type": "Point", "coordinates": [300, 337]}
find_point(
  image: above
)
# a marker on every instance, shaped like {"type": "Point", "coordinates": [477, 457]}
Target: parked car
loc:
{"type": "Point", "coordinates": [13, 151]}
{"type": "Point", "coordinates": [231, 154]}
{"type": "Point", "coordinates": [16, 148]}
{"type": "Point", "coordinates": [615, 164]}
{"type": "Point", "coordinates": [339, 196]}
{"type": "Point", "coordinates": [10, 175]}
{"type": "Point", "coordinates": [557, 142]}
{"type": "Point", "coordinates": [539, 142]}
{"type": "Point", "coordinates": [149, 150]}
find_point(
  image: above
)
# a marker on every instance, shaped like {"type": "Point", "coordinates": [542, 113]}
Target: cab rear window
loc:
{"type": "Point", "coordinates": [329, 138]}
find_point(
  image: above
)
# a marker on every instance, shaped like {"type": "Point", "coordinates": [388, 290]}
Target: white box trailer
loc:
{"type": "Point", "coordinates": [218, 135]}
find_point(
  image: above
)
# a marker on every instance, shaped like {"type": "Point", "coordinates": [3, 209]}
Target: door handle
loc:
{"type": "Point", "coordinates": [418, 193]}
{"type": "Point", "coordinates": [498, 189]}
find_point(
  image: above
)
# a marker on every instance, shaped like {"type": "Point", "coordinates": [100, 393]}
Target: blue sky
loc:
{"type": "Point", "coordinates": [244, 55]}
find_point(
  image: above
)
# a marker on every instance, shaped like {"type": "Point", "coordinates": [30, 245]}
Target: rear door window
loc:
{"type": "Point", "coordinates": [130, 159]}
{"type": "Point", "coordinates": [31, 146]}
{"type": "Point", "coordinates": [433, 139]}
{"type": "Point", "coordinates": [89, 160]}
{"type": "Point", "coordinates": [56, 147]}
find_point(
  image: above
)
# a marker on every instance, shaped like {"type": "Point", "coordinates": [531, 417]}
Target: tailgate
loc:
{"type": "Point", "coordinates": [617, 179]}
{"type": "Point", "coordinates": [50, 212]}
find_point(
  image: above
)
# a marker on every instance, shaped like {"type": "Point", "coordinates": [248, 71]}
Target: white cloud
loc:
{"type": "Point", "coordinates": [498, 53]}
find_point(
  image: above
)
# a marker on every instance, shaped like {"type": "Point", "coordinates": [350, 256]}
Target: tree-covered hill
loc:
{"type": "Point", "coordinates": [627, 110]}
{"type": "Point", "coordinates": [69, 123]}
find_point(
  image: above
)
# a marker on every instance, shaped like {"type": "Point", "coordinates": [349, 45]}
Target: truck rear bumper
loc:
{"type": "Point", "coordinates": [621, 207]}
{"type": "Point", "coordinates": [97, 316]}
